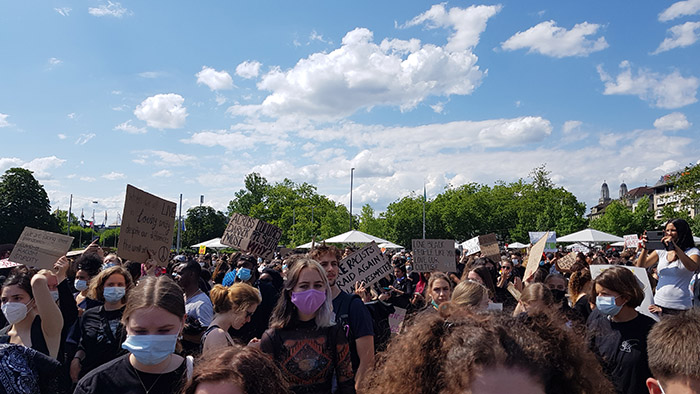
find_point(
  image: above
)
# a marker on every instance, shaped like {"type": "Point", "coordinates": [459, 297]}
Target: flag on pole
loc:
{"type": "Point", "coordinates": [182, 224]}
{"type": "Point", "coordinates": [82, 218]}
{"type": "Point", "coordinates": [104, 224]}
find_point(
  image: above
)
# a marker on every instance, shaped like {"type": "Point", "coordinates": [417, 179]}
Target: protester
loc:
{"type": "Point", "coordinates": [439, 290]}
{"type": "Point", "coordinates": [487, 353]}
{"type": "Point", "coordinates": [101, 328]}
{"type": "Point", "coordinates": [676, 266]}
{"type": "Point", "coordinates": [401, 288]}
{"type": "Point", "coordinates": [480, 274]}
{"type": "Point", "coordinates": [472, 295]}
{"type": "Point", "coordinates": [579, 289]}
{"type": "Point", "coordinates": [304, 344]}
{"type": "Point", "coordinates": [673, 350]}
{"type": "Point", "coordinates": [154, 318]}
{"type": "Point", "coordinates": [503, 295]}
{"type": "Point", "coordinates": [350, 313]}
{"type": "Point", "coordinates": [556, 283]}
{"type": "Point", "coordinates": [535, 297]}
{"type": "Point", "coordinates": [35, 319]}
{"type": "Point", "coordinates": [27, 371]}
{"type": "Point", "coordinates": [617, 333]}
{"type": "Point", "coordinates": [198, 305]}
{"type": "Point", "coordinates": [233, 307]}
{"type": "Point", "coordinates": [236, 369]}
{"type": "Point", "coordinates": [88, 267]}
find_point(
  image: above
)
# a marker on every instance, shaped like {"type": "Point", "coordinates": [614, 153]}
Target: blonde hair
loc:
{"type": "Point", "coordinates": [238, 297]}
{"type": "Point", "coordinates": [286, 312]}
{"type": "Point", "coordinates": [435, 276]}
{"type": "Point", "coordinates": [97, 284]}
{"type": "Point", "coordinates": [537, 292]}
{"type": "Point", "coordinates": [469, 293]}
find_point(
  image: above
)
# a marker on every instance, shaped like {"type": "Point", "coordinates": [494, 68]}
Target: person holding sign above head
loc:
{"type": "Point", "coordinates": [677, 264]}
{"type": "Point", "coordinates": [350, 312]}
{"type": "Point", "coordinates": [617, 333]}
{"type": "Point", "coordinates": [234, 306]}
{"type": "Point", "coordinates": [102, 332]}
{"type": "Point", "coordinates": [154, 317]}
{"type": "Point", "coordinates": [304, 343]}
{"type": "Point", "coordinates": [30, 309]}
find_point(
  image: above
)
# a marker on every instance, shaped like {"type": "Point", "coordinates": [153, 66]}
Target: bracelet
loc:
{"type": "Point", "coordinates": [80, 360]}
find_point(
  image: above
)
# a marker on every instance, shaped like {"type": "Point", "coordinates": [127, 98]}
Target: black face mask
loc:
{"type": "Point", "coordinates": [558, 295]}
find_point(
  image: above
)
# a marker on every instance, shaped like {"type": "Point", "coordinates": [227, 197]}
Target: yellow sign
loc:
{"type": "Point", "coordinates": [202, 249]}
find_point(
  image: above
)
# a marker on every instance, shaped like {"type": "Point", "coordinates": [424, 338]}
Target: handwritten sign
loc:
{"type": "Point", "coordinates": [434, 255]}
{"type": "Point", "coordinates": [642, 278]}
{"type": "Point", "coordinates": [471, 246]}
{"type": "Point", "coordinates": [252, 235]}
{"type": "Point", "coordinates": [489, 247]}
{"type": "Point", "coordinates": [551, 245]}
{"type": "Point", "coordinates": [396, 319]}
{"type": "Point", "coordinates": [565, 263]}
{"type": "Point", "coordinates": [534, 257]}
{"type": "Point", "coordinates": [367, 265]}
{"type": "Point", "coordinates": [148, 223]}
{"type": "Point", "coordinates": [39, 248]}
{"type": "Point", "coordinates": [631, 241]}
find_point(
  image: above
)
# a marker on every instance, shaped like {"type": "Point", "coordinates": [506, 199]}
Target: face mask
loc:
{"type": "Point", "coordinates": [558, 295]}
{"type": "Point", "coordinates": [113, 294]}
{"type": "Point", "coordinates": [308, 301]}
{"type": "Point", "coordinates": [515, 261]}
{"type": "Point", "coordinates": [607, 306]}
{"type": "Point", "coordinates": [243, 274]}
{"type": "Point", "coordinates": [80, 284]}
{"type": "Point", "coordinates": [108, 265]}
{"type": "Point", "coordinates": [261, 268]}
{"type": "Point", "coordinates": [150, 349]}
{"type": "Point", "coordinates": [54, 295]}
{"type": "Point", "coordinates": [409, 268]}
{"type": "Point", "coordinates": [14, 312]}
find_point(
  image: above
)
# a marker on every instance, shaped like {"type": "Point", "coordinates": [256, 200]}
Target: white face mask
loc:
{"type": "Point", "coordinates": [54, 295]}
{"type": "Point", "coordinates": [14, 311]}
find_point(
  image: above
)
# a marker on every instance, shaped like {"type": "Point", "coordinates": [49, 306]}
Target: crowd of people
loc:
{"type": "Point", "coordinates": [235, 323]}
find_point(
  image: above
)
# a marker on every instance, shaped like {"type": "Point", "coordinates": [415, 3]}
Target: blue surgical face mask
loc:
{"type": "Point", "coordinates": [113, 294]}
{"type": "Point", "coordinates": [243, 274]}
{"type": "Point", "coordinates": [54, 295]}
{"type": "Point", "coordinates": [80, 284]}
{"type": "Point", "coordinates": [607, 306]}
{"type": "Point", "coordinates": [150, 349]}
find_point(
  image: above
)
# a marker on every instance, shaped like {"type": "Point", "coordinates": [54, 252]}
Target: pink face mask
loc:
{"type": "Point", "coordinates": [308, 301]}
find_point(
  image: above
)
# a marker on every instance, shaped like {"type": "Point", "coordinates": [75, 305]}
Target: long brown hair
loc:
{"type": "Point", "coordinates": [285, 311]}
{"type": "Point", "coordinates": [97, 284]}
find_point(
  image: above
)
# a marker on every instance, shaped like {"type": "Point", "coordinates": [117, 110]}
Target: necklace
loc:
{"type": "Point", "coordinates": [141, 381]}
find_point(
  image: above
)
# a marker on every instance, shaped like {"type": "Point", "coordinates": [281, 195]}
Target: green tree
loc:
{"type": "Point", "coordinates": [62, 219]}
{"type": "Point", "coordinates": [110, 237]}
{"type": "Point", "coordinates": [255, 192]}
{"type": "Point", "coordinates": [81, 236]}
{"type": "Point", "coordinates": [369, 223]}
{"type": "Point", "coordinates": [404, 220]}
{"type": "Point", "coordinates": [23, 202]}
{"type": "Point", "coordinates": [202, 224]}
{"type": "Point", "coordinates": [687, 185]}
{"type": "Point", "coordinates": [643, 217]}
{"type": "Point", "coordinates": [618, 219]}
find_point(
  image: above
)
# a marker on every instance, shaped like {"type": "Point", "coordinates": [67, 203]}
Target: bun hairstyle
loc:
{"type": "Point", "coordinates": [238, 297]}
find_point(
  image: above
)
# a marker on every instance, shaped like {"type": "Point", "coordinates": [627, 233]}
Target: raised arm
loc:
{"type": "Point", "coordinates": [51, 318]}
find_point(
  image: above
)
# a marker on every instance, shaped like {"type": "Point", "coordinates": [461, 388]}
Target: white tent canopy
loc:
{"type": "Point", "coordinates": [389, 245]}
{"type": "Point", "coordinates": [590, 235]}
{"type": "Point", "coordinates": [212, 244]}
{"type": "Point", "coordinates": [354, 237]}
{"type": "Point", "coordinates": [517, 245]}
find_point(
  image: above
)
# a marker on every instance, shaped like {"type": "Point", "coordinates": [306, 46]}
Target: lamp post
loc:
{"type": "Point", "coordinates": [352, 173]}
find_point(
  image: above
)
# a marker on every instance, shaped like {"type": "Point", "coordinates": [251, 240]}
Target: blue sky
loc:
{"type": "Point", "coordinates": [189, 97]}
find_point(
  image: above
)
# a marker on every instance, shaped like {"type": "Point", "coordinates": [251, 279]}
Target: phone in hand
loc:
{"type": "Point", "coordinates": [654, 240]}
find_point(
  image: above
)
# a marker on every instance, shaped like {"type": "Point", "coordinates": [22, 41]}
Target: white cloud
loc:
{"type": "Point", "coordinates": [438, 108]}
{"type": "Point", "coordinates": [113, 176]}
{"type": "Point", "coordinates": [215, 80]}
{"type": "Point", "coordinates": [71, 115]}
{"type": "Point", "coordinates": [3, 120]}
{"type": "Point", "coordinates": [84, 138]}
{"type": "Point", "coordinates": [548, 39]}
{"type": "Point", "coordinates": [163, 111]}
{"type": "Point", "coordinates": [673, 121]}
{"type": "Point", "coordinates": [668, 166]}
{"type": "Point", "coordinates": [467, 23]}
{"type": "Point", "coordinates": [64, 11]}
{"type": "Point", "coordinates": [87, 179]}
{"type": "Point", "coordinates": [110, 9]}
{"type": "Point", "coordinates": [62, 136]}
{"type": "Point", "coordinates": [9, 162]}
{"type": "Point", "coordinates": [664, 91]}
{"type": "Point", "coordinates": [318, 37]}
{"type": "Point", "coordinates": [163, 174]}
{"type": "Point", "coordinates": [165, 159]}
{"type": "Point", "coordinates": [248, 69]}
{"type": "Point", "coordinates": [571, 125]}
{"type": "Point", "coordinates": [681, 36]}
{"type": "Point", "coordinates": [152, 74]}
{"type": "Point", "coordinates": [39, 166]}
{"type": "Point", "coordinates": [680, 8]}
{"type": "Point", "coordinates": [54, 62]}
{"type": "Point", "coordinates": [129, 128]}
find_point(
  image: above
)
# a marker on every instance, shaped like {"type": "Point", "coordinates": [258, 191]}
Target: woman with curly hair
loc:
{"type": "Point", "coordinates": [479, 353]}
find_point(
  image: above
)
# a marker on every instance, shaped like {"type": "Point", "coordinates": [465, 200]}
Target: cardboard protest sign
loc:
{"type": "Point", "coordinates": [252, 235]}
{"type": "Point", "coordinates": [471, 246]}
{"type": "Point", "coordinates": [631, 241]}
{"type": "Point", "coordinates": [39, 248]}
{"type": "Point", "coordinates": [396, 319]}
{"type": "Point", "coordinates": [641, 274]}
{"type": "Point", "coordinates": [434, 255]}
{"type": "Point", "coordinates": [551, 245]}
{"type": "Point", "coordinates": [148, 223]}
{"type": "Point", "coordinates": [489, 247]}
{"type": "Point", "coordinates": [578, 248]}
{"type": "Point", "coordinates": [565, 263]}
{"type": "Point", "coordinates": [367, 265]}
{"type": "Point", "coordinates": [534, 257]}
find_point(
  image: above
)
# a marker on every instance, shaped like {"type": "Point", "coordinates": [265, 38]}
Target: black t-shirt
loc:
{"type": "Point", "coordinates": [622, 350]}
{"type": "Point", "coordinates": [358, 318]}
{"type": "Point", "coordinates": [103, 335]}
{"type": "Point", "coordinates": [120, 377]}
{"type": "Point", "coordinates": [406, 287]}
{"type": "Point", "coordinates": [36, 334]}
{"type": "Point", "coordinates": [580, 311]}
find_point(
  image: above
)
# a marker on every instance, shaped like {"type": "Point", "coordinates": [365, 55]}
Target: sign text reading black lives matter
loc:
{"type": "Point", "coordinates": [434, 255]}
{"type": "Point", "coordinates": [252, 235]}
{"type": "Point", "coordinates": [367, 265]}
{"type": "Point", "coordinates": [148, 223]}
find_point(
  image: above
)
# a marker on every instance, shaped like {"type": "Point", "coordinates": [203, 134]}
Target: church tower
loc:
{"type": "Point", "coordinates": [604, 194]}
{"type": "Point", "coordinates": [623, 190]}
